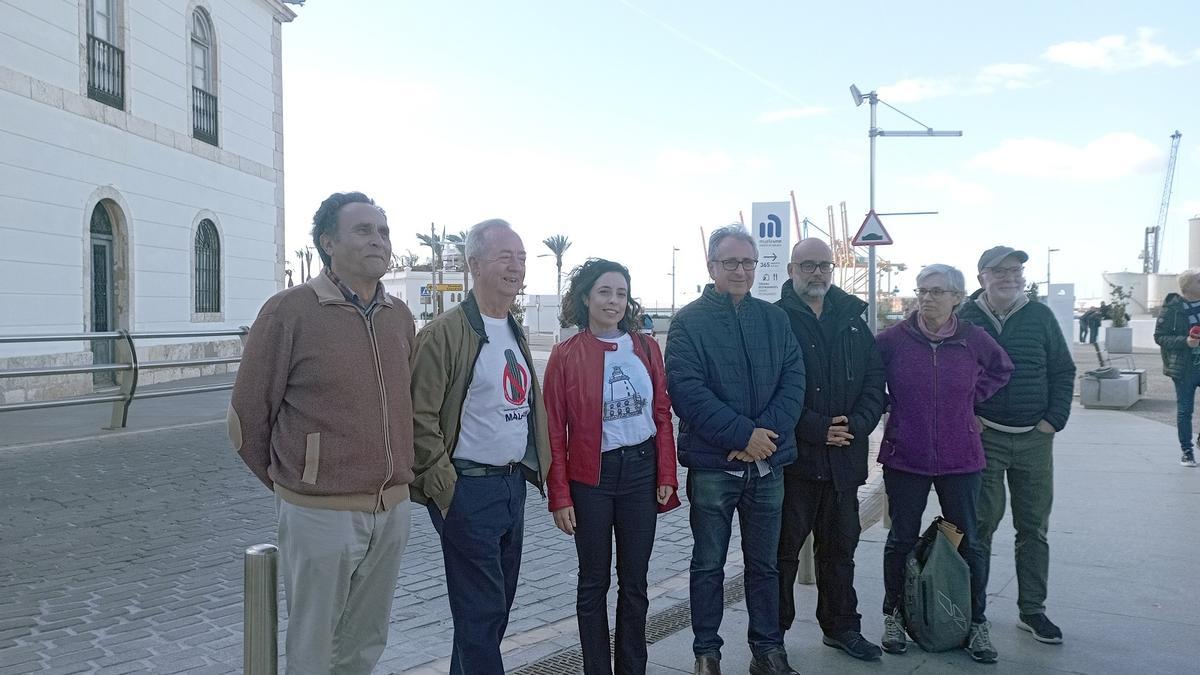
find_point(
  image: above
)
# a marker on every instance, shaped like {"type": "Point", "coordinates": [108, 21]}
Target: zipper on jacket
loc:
{"type": "Point", "coordinates": [937, 461]}
{"type": "Point", "coordinates": [467, 389]}
{"type": "Point", "coordinates": [387, 441]}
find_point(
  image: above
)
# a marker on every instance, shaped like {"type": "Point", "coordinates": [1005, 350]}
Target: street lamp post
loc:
{"type": "Point", "coordinates": [1048, 252]}
{"type": "Point", "coordinates": [872, 98]}
{"type": "Point", "coordinates": [674, 250]}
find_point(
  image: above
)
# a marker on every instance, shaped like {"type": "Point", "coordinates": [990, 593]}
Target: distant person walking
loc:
{"type": "Point", "coordinates": [1177, 333]}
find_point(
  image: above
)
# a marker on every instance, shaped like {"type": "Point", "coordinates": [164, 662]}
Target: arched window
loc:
{"type": "Point", "coordinates": [208, 268]}
{"type": "Point", "coordinates": [204, 78]}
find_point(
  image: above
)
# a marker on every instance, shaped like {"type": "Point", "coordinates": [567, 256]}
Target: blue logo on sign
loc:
{"type": "Point", "coordinates": [772, 228]}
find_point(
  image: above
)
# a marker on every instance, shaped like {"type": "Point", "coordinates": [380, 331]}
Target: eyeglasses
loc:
{"type": "Point", "coordinates": [937, 293]}
{"type": "Point", "coordinates": [808, 267]}
{"type": "Point", "coordinates": [732, 264]}
{"type": "Point", "coordinates": [1006, 271]}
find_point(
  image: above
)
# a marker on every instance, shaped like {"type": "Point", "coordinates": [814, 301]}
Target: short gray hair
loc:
{"type": "Point", "coordinates": [477, 236]}
{"type": "Point", "coordinates": [955, 277]}
{"type": "Point", "coordinates": [1188, 279]}
{"type": "Point", "coordinates": [736, 231]}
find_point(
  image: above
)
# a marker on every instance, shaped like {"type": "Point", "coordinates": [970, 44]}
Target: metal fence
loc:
{"type": "Point", "coordinates": [106, 72]}
{"type": "Point", "coordinates": [125, 369]}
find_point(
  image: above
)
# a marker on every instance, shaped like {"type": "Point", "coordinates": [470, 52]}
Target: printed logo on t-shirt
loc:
{"type": "Point", "coordinates": [621, 400]}
{"type": "Point", "coordinates": [515, 384]}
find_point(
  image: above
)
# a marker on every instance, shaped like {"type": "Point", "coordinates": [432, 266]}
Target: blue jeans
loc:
{"type": "Point", "coordinates": [622, 505]}
{"type": "Point", "coordinates": [1185, 403]}
{"type": "Point", "coordinates": [481, 545]}
{"type": "Point", "coordinates": [714, 495]}
{"type": "Point", "coordinates": [907, 495]}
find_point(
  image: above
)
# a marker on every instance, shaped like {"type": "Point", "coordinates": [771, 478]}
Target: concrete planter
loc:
{"type": "Point", "coordinates": [1118, 340]}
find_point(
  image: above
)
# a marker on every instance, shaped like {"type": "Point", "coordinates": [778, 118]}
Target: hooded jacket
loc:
{"type": "Point", "coordinates": [933, 388]}
{"type": "Point", "coordinates": [844, 375]}
{"type": "Point", "coordinates": [1170, 333]}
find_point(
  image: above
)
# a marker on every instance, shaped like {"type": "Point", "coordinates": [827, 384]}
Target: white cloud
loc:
{"type": "Point", "coordinates": [1109, 157]}
{"type": "Point", "coordinates": [792, 114]}
{"type": "Point", "coordinates": [987, 80]}
{"type": "Point", "coordinates": [1190, 208]}
{"type": "Point", "coordinates": [953, 187]}
{"type": "Point", "coordinates": [1115, 52]}
{"type": "Point", "coordinates": [913, 90]}
{"type": "Point", "coordinates": [1004, 76]}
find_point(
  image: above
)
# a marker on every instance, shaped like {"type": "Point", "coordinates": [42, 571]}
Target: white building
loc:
{"type": "Point", "coordinates": [414, 289]}
{"type": "Point", "coordinates": [141, 174]}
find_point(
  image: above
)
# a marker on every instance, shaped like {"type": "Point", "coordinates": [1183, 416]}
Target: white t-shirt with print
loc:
{"type": "Point", "coordinates": [628, 398]}
{"type": "Point", "coordinates": [494, 428]}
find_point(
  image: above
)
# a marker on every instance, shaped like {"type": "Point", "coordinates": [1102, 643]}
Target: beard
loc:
{"type": "Point", "coordinates": [814, 290]}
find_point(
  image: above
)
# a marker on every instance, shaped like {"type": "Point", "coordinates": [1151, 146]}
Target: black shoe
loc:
{"type": "Point", "coordinates": [1043, 629]}
{"type": "Point", "coordinates": [708, 664]}
{"type": "Point", "coordinates": [854, 644]}
{"type": "Point", "coordinates": [775, 663]}
{"type": "Point", "coordinates": [894, 639]}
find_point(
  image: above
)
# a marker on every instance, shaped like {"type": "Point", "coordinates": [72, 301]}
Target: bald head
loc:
{"type": "Point", "coordinates": [811, 269]}
{"type": "Point", "coordinates": [811, 249]}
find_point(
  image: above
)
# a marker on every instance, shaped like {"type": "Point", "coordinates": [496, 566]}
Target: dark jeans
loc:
{"type": "Point", "coordinates": [623, 503]}
{"type": "Point", "coordinates": [1185, 403]}
{"type": "Point", "coordinates": [832, 518]}
{"type": "Point", "coordinates": [714, 495]}
{"type": "Point", "coordinates": [908, 493]}
{"type": "Point", "coordinates": [481, 545]}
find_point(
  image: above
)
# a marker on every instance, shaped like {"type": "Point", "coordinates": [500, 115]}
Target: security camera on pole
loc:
{"type": "Point", "coordinates": [873, 218]}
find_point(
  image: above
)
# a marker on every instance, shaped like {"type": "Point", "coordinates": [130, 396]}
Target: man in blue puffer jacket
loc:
{"type": "Point", "coordinates": [736, 378]}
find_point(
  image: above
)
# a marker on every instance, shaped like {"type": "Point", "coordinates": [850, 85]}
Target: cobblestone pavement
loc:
{"type": "Point", "coordinates": [124, 555]}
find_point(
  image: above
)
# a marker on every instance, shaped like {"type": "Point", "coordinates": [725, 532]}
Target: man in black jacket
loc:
{"type": "Point", "coordinates": [843, 401]}
{"type": "Point", "coordinates": [1019, 423]}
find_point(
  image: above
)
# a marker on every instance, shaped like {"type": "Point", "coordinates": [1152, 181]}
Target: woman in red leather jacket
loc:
{"type": "Point", "coordinates": [612, 466]}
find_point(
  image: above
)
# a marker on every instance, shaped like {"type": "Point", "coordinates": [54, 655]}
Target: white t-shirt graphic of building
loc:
{"type": "Point", "coordinates": [621, 400]}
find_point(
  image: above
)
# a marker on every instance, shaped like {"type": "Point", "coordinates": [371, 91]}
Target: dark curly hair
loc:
{"type": "Point", "coordinates": [325, 219]}
{"type": "Point", "coordinates": [583, 278]}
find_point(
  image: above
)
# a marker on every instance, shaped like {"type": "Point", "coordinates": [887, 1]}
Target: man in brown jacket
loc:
{"type": "Point", "coordinates": [480, 427]}
{"type": "Point", "coordinates": [322, 414]}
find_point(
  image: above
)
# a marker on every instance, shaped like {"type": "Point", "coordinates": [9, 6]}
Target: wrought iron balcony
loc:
{"type": "Point", "coordinates": [204, 116]}
{"type": "Point", "coordinates": [106, 73]}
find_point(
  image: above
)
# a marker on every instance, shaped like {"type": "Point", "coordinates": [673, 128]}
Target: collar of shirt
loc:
{"type": "Point", "coordinates": [352, 297]}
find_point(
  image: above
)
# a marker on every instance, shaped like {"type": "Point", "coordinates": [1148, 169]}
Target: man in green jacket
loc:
{"type": "Point", "coordinates": [1019, 423]}
{"type": "Point", "coordinates": [479, 425]}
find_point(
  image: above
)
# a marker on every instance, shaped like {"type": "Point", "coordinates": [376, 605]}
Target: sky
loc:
{"type": "Point", "coordinates": [629, 125]}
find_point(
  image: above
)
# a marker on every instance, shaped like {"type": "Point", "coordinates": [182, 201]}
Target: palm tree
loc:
{"type": "Point", "coordinates": [460, 242]}
{"type": "Point", "coordinates": [558, 245]}
{"type": "Point", "coordinates": [436, 245]}
{"type": "Point", "coordinates": [304, 257]}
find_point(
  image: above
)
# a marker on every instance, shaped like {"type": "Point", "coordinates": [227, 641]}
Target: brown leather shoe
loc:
{"type": "Point", "coordinates": [708, 664]}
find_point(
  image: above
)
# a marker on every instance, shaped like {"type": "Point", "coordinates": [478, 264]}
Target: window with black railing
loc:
{"type": "Point", "coordinates": [204, 116]}
{"type": "Point", "coordinates": [208, 268]}
{"type": "Point", "coordinates": [106, 72]}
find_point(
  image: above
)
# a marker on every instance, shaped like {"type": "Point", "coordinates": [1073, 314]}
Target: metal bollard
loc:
{"type": "Point", "coordinates": [261, 621]}
{"type": "Point", "coordinates": [806, 574]}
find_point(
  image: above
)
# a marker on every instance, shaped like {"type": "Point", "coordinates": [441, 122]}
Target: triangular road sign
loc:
{"type": "Point", "coordinates": [871, 233]}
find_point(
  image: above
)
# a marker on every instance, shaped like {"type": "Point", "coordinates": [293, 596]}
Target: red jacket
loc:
{"type": "Point", "coordinates": [574, 385]}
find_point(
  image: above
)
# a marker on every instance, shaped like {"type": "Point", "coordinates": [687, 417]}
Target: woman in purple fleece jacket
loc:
{"type": "Point", "coordinates": [938, 368]}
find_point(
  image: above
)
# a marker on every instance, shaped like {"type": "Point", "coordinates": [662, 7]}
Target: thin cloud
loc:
{"type": "Point", "coordinates": [1116, 52]}
{"type": "Point", "coordinates": [1005, 76]}
{"type": "Point", "coordinates": [913, 90]}
{"type": "Point", "coordinates": [792, 114]}
{"type": "Point", "coordinates": [986, 80]}
{"type": "Point", "coordinates": [954, 188]}
{"type": "Point", "coordinates": [1109, 157]}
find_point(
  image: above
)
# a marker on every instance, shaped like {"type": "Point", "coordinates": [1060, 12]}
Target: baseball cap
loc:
{"type": "Point", "coordinates": [997, 253]}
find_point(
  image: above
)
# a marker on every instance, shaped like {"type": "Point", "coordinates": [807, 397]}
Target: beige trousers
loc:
{"type": "Point", "coordinates": [339, 573]}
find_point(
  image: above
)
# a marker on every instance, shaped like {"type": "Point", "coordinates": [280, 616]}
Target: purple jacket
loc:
{"type": "Point", "coordinates": [933, 389]}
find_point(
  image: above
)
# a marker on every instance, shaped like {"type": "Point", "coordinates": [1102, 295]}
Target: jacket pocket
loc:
{"type": "Point", "coordinates": [312, 458]}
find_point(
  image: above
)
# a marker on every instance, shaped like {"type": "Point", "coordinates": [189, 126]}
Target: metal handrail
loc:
{"type": "Point", "coordinates": [126, 369]}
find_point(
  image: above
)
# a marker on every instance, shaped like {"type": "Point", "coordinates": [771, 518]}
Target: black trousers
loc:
{"type": "Point", "coordinates": [622, 505]}
{"type": "Point", "coordinates": [832, 518]}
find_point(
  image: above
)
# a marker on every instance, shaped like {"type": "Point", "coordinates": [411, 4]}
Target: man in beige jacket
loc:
{"type": "Point", "coordinates": [322, 414]}
{"type": "Point", "coordinates": [480, 427]}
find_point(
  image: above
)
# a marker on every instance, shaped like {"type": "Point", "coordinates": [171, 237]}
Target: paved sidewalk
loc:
{"type": "Point", "coordinates": [1124, 548]}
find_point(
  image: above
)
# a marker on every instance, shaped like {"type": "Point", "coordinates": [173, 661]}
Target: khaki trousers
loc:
{"type": "Point", "coordinates": [339, 573]}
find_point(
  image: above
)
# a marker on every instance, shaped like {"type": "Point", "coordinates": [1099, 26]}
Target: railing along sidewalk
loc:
{"type": "Point", "coordinates": [125, 369]}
